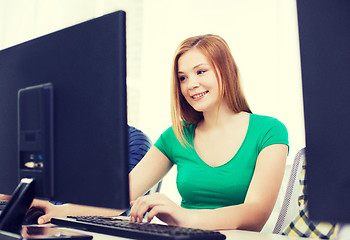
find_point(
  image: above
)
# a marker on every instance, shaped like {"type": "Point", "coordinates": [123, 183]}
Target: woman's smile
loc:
{"type": "Point", "coordinates": [199, 96]}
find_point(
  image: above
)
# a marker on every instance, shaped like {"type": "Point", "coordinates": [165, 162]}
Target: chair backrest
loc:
{"type": "Point", "coordinates": [139, 144]}
{"type": "Point", "coordinates": [289, 207]}
{"type": "Point", "coordinates": [156, 187]}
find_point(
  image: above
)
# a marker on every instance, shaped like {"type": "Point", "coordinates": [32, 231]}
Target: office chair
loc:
{"type": "Point", "coordinates": [300, 225]}
{"type": "Point", "coordinates": [139, 144]}
{"type": "Point", "coordinates": [290, 207]}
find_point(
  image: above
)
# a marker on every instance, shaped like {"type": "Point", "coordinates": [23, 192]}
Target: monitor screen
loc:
{"type": "Point", "coordinates": [85, 67]}
{"type": "Point", "coordinates": [325, 63]}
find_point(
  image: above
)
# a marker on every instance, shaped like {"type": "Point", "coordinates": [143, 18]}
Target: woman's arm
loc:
{"type": "Point", "coordinates": [69, 209]}
{"type": "Point", "coordinates": [149, 171]}
{"type": "Point", "coordinates": [260, 199]}
{"type": "Point", "coordinates": [251, 215]}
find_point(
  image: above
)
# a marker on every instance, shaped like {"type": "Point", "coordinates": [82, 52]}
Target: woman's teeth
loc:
{"type": "Point", "coordinates": [199, 95]}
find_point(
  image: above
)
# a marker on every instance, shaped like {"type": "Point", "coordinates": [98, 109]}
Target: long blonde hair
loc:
{"type": "Point", "coordinates": [219, 56]}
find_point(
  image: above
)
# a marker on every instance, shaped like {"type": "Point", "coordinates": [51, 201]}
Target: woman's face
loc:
{"type": "Point", "coordinates": [198, 81]}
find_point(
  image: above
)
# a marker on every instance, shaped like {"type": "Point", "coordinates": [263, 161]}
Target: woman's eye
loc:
{"type": "Point", "coordinates": [182, 78]}
{"type": "Point", "coordinates": [201, 72]}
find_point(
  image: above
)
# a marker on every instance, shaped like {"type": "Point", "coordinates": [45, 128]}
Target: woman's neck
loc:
{"type": "Point", "coordinates": [218, 118]}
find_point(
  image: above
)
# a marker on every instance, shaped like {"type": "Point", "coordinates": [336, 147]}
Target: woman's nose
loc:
{"type": "Point", "coordinates": [193, 82]}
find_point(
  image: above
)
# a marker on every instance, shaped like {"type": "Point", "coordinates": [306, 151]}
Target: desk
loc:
{"type": "Point", "coordinates": [230, 235]}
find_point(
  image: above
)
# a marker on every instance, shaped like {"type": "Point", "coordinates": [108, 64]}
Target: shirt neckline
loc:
{"type": "Point", "coordinates": [233, 157]}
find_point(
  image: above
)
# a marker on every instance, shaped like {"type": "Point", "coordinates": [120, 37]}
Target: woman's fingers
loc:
{"type": "Point", "coordinates": [50, 210]}
{"type": "Point", "coordinates": [44, 219]}
{"type": "Point", "coordinates": [140, 207]}
{"type": "Point", "coordinates": [5, 197]}
{"type": "Point", "coordinates": [162, 212]}
{"type": "Point", "coordinates": [155, 205]}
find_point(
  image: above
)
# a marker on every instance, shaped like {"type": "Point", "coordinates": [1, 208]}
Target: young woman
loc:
{"type": "Point", "coordinates": [230, 162]}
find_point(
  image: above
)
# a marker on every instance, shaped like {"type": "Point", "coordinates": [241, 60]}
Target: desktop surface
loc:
{"type": "Point", "coordinates": [230, 235]}
{"type": "Point", "coordinates": [122, 227]}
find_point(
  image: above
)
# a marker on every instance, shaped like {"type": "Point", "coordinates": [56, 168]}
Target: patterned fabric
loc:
{"type": "Point", "coordinates": [288, 205]}
{"type": "Point", "coordinates": [302, 226]}
{"type": "Point", "coordinates": [139, 144]}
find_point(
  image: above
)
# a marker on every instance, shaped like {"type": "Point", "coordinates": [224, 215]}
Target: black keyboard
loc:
{"type": "Point", "coordinates": [124, 228]}
{"type": "Point", "coordinates": [2, 204]}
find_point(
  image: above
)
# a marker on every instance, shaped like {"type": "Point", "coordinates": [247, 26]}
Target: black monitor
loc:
{"type": "Point", "coordinates": [325, 61]}
{"type": "Point", "coordinates": [63, 114]}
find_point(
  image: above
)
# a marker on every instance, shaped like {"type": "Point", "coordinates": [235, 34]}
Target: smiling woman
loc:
{"type": "Point", "coordinates": [263, 37]}
{"type": "Point", "coordinates": [204, 68]}
{"type": "Point", "coordinates": [230, 162]}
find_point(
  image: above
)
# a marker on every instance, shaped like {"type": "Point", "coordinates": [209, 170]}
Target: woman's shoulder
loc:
{"type": "Point", "coordinates": [269, 130]}
{"type": "Point", "coordinates": [267, 122]}
{"type": "Point", "coordinates": [187, 128]}
{"type": "Point", "coordinates": [263, 119]}
{"type": "Point", "coordinates": [168, 141]}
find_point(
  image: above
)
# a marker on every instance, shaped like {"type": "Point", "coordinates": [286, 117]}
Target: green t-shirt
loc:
{"type": "Point", "coordinates": [204, 187]}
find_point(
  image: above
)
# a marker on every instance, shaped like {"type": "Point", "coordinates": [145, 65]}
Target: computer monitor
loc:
{"type": "Point", "coordinates": [325, 62]}
{"type": "Point", "coordinates": [77, 77]}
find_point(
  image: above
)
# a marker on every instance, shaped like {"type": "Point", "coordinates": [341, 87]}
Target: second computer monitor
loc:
{"type": "Point", "coordinates": [325, 61]}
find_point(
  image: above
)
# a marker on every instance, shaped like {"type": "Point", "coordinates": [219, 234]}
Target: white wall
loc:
{"type": "Point", "coordinates": [263, 39]}
{"type": "Point", "coordinates": [22, 20]}
{"type": "Point", "coordinates": [262, 35]}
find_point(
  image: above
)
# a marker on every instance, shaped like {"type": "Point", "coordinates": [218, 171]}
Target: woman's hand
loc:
{"type": "Point", "coordinates": [50, 210]}
{"type": "Point", "coordinates": [5, 197]}
{"type": "Point", "coordinates": [160, 206]}
{"type": "Point", "coordinates": [69, 209]}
